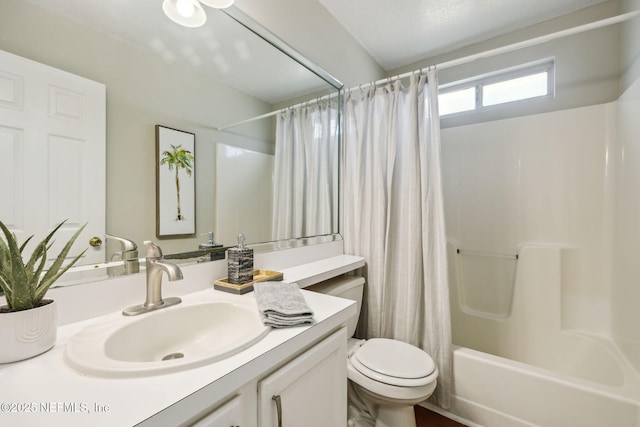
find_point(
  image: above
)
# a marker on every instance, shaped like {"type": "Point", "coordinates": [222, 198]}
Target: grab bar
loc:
{"type": "Point", "coordinates": [486, 254]}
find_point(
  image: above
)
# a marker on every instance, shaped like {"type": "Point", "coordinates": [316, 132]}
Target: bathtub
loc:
{"type": "Point", "coordinates": [517, 364]}
{"type": "Point", "coordinates": [497, 392]}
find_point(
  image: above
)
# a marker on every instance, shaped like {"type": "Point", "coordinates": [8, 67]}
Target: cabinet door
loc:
{"type": "Point", "coordinates": [309, 391]}
{"type": "Point", "coordinates": [227, 415]}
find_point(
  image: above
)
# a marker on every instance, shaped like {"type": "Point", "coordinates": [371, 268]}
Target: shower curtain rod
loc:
{"type": "Point", "coordinates": [470, 58]}
{"type": "Point", "coordinates": [274, 112]}
{"type": "Point", "coordinates": [512, 47]}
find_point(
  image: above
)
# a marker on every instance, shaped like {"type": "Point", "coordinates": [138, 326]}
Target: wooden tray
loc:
{"type": "Point", "coordinates": [258, 276]}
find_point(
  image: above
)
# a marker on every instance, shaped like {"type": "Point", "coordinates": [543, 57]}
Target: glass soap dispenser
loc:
{"type": "Point", "coordinates": [240, 263]}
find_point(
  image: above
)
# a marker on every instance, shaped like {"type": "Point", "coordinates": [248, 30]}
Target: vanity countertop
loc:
{"type": "Point", "coordinates": [45, 391]}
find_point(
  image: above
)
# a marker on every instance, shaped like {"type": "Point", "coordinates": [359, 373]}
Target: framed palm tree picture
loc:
{"type": "Point", "coordinates": [175, 183]}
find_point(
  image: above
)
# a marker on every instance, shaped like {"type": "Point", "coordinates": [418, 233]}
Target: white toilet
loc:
{"type": "Point", "coordinates": [387, 377]}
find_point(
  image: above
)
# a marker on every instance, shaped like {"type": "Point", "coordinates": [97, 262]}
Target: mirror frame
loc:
{"type": "Point", "coordinates": [266, 35]}
{"type": "Point", "coordinates": [270, 38]}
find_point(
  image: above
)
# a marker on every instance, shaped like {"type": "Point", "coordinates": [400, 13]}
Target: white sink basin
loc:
{"type": "Point", "coordinates": [168, 340]}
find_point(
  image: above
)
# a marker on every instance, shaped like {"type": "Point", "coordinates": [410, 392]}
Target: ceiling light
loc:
{"type": "Point", "coordinates": [218, 4]}
{"type": "Point", "coordinates": [185, 8]}
{"type": "Point", "coordinates": [185, 12]}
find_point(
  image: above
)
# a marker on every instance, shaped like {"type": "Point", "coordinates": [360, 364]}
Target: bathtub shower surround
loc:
{"type": "Point", "coordinates": [394, 215]}
{"type": "Point", "coordinates": [558, 324]}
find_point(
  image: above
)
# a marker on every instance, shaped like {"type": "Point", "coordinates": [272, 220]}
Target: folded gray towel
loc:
{"type": "Point", "coordinates": [282, 304]}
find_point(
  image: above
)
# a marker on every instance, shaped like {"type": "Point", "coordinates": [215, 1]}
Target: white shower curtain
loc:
{"type": "Point", "coordinates": [305, 171]}
{"type": "Point", "coordinates": [393, 216]}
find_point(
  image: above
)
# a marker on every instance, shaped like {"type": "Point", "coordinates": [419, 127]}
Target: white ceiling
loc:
{"type": "Point", "coordinates": [401, 32]}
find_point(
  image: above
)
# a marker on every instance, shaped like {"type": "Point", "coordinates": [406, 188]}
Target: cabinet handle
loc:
{"type": "Point", "coordinates": [276, 398]}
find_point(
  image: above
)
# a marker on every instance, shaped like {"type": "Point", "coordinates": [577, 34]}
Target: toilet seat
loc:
{"type": "Point", "coordinates": [393, 362]}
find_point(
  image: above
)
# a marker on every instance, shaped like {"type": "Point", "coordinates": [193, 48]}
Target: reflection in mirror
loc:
{"type": "Point", "coordinates": [306, 171]}
{"type": "Point", "coordinates": [196, 80]}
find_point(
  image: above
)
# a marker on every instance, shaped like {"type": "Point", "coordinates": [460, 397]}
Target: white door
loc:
{"type": "Point", "coordinates": [52, 151]}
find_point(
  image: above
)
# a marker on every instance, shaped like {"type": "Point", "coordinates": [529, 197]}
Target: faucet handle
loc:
{"type": "Point", "coordinates": [153, 250]}
{"type": "Point", "coordinates": [127, 245]}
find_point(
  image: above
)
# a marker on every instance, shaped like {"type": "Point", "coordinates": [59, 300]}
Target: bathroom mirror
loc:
{"type": "Point", "coordinates": [159, 73]}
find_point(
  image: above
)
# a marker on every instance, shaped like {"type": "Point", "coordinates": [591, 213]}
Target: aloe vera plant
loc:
{"type": "Point", "coordinates": [25, 284]}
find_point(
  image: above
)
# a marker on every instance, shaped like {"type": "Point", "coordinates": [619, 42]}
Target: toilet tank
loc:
{"type": "Point", "coordinates": [348, 287]}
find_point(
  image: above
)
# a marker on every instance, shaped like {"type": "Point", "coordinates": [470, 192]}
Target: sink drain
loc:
{"type": "Point", "coordinates": [172, 356]}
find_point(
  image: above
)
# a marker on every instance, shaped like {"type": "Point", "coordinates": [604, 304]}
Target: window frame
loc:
{"type": "Point", "coordinates": [479, 82]}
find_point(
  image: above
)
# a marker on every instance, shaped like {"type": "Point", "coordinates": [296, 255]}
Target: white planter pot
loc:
{"type": "Point", "coordinates": [27, 333]}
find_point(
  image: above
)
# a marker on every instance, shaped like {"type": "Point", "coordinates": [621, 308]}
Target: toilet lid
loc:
{"type": "Point", "coordinates": [382, 357]}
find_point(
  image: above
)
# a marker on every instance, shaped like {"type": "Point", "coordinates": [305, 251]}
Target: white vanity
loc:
{"type": "Point", "coordinates": [302, 370]}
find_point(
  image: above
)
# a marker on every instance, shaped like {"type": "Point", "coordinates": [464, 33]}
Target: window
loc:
{"type": "Point", "coordinates": [531, 81]}
{"type": "Point", "coordinates": [457, 101]}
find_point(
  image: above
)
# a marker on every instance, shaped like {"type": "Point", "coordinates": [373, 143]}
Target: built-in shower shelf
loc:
{"type": "Point", "coordinates": [485, 282]}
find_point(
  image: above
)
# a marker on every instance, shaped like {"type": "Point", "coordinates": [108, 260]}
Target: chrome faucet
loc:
{"type": "Point", "coordinates": [155, 265]}
{"type": "Point", "coordinates": [129, 254]}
